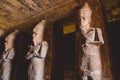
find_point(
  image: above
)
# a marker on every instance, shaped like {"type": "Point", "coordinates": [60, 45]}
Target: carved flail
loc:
{"type": "Point", "coordinates": [91, 60]}
{"type": "Point", "coordinates": [37, 53]}
{"type": "Point", "coordinates": [8, 56]}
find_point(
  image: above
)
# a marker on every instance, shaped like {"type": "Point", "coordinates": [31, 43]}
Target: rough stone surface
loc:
{"type": "Point", "coordinates": [26, 16]}
{"type": "Point", "coordinates": [98, 22]}
{"type": "Point", "coordinates": [7, 57]}
{"type": "Point", "coordinates": [90, 61]}
{"type": "Point", "coordinates": [37, 53]}
{"type": "Point", "coordinates": [21, 12]}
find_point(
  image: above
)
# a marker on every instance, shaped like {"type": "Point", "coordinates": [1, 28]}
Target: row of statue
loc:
{"type": "Point", "coordinates": [90, 62]}
{"type": "Point", "coordinates": [36, 54]}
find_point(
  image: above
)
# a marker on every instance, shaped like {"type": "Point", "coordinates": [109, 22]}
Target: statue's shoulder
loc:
{"type": "Point", "coordinates": [98, 29]}
{"type": "Point", "coordinates": [92, 28]}
{"type": "Point", "coordinates": [95, 29]}
{"type": "Point", "coordinates": [44, 43]}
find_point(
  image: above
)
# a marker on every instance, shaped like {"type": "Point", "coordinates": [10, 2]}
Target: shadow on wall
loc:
{"type": "Point", "coordinates": [20, 65]}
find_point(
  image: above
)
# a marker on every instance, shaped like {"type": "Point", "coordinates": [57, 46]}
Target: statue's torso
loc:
{"type": "Point", "coordinates": [8, 55]}
{"type": "Point", "coordinates": [90, 49]}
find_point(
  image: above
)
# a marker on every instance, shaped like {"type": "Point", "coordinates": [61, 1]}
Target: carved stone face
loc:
{"type": "Point", "coordinates": [38, 32]}
{"type": "Point", "coordinates": [9, 40]}
{"type": "Point", "coordinates": [85, 16]}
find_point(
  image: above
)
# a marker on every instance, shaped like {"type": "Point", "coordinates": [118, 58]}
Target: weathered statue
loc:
{"type": "Point", "coordinates": [91, 60]}
{"type": "Point", "coordinates": [8, 56]}
{"type": "Point", "coordinates": [37, 53]}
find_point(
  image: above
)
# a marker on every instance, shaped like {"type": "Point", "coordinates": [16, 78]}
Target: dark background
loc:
{"type": "Point", "coordinates": [113, 31]}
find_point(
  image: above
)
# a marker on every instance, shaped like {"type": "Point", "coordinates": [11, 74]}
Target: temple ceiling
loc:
{"type": "Point", "coordinates": [27, 12]}
{"type": "Point", "coordinates": [18, 12]}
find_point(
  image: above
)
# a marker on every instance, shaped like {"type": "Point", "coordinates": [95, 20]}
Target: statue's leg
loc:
{"type": "Point", "coordinates": [84, 63]}
{"type": "Point", "coordinates": [39, 69]}
{"type": "Point", "coordinates": [84, 66]}
{"type": "Point", "coordinates": [96, 77]}
{"type": "Point", "coordinates": [95, 66]}
{"type": "Point", "coordinates": [84, 78]}
{"type": "Point", "coordinates": [6, 73]}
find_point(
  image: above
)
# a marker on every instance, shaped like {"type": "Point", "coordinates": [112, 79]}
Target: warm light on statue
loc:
{"type": "Point", "coordinates": [91, 60]}
{"type": "Point", "coordinates": [37, 53]}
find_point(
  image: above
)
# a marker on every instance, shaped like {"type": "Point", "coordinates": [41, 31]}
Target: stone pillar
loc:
{"type": "Point", "coordinates": [8, 56]}
{"type": "Point", "coordinates": [98, 22]}
{"type": "Point", "coordinates": [37, 53]}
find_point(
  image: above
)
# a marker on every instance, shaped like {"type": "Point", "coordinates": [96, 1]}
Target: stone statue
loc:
{"type": "Point", "coordinates": [91, 60]}
{"type": "Point", "coordinates": [8, 56]}
{"type": "Point", "coordinates": [37, 53]}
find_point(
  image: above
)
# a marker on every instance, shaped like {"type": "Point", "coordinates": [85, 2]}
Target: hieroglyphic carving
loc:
{"type": "Point", "coordinates": [8, 6]}
{"type": "Point", "coordinates": [30, 4]}
{"type": "Point", "coordinates": [12, 9]}
{"type": "Point", "coordinates": [61, 12]}
{"type": "Point", "coordinates": [39, 3]}
{"type": "Point", "coordinates": [17, 14]}
{"type": "Point", "coordinates": [4, 12]}
{"type": "Point", "coordinates": [18, 5]}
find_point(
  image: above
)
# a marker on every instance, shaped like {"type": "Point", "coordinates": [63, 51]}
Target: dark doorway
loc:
{"type": "Point", "coordinates": [113, 29]}
{"type": "Point", "coordinates": [64, 57]}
